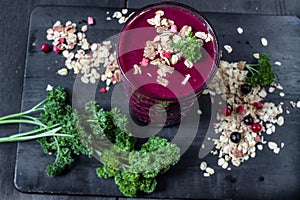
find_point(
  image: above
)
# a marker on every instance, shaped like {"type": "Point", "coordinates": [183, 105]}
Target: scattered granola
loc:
{"type": "Point", "coordinates": [122, 16]}
{"type": "Point", "coordinates": [208, 171]}
{"type": "Point", "coordinates": [85, 59]}
{"type": "Point", "coordinates": [247, 118]}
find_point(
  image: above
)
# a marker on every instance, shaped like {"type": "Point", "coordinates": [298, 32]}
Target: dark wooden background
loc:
{"type": "Point", "coordinates": [13, 39]}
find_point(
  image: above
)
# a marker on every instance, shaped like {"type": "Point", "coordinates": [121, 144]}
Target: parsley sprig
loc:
{"type": "Point", "coordinates": [190, 47]}
{"type": "Point", "coordinates": [261, 74]}
{"type": "Point", "coordinates": [133, 169]}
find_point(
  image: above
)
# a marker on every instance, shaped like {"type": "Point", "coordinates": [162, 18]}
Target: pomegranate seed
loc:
{"type": "Point", "coordinates": [56, 49]}
{"type": "Point", "coordinates": [228, 111]}
{"type": "Point", "coordinates": [173, 28]}
{"type": "Point", "coordinates": [256, 127]}
{"type": "Point", "coordinates": [62, 40]}
{"type": "Point", "coordinates": [45, 48]}
{"type": "Point", "coordinates": [241, 110]}
{"type": "Point", "coordinates": [102, 90]}
{"type": "Point", "coordinates": [166, 54]}
{"type": "Point", "coordinates": [144, 62]}
{"type": "Point", "coordinates": [258, 105]}
{"type": "Point", "coordinates": [91, 21]}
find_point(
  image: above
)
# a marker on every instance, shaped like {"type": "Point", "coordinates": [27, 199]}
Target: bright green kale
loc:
{"type": "Point", "coordinates": [261, 73]}
{"type": "Point", "coordinates": [190, 47]}
{"type": "Point", "coordinates": [55, 130]}
{"type": "Point", "coordinates": [137, 170]}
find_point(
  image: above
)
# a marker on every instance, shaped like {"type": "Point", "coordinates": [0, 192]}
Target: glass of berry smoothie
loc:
{"type": "Point", "coordinates": [167, 53]}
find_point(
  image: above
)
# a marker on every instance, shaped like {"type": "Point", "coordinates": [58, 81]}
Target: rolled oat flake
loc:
{"type": "Point", "coordinates": [264, 41]}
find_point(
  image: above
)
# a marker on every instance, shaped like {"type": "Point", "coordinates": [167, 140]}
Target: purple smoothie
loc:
{"type": "Point", "coordinates": [143, 89]}
{"type": "Point", "coordinates": [132, 40]}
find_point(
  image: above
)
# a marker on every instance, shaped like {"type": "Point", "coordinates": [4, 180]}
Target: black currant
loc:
{"type": "Point", "coordinates": [248, 120]}
{"type": "Point", "coordinates": [246, 88]}
{"type": "Point", "coordinates": [235, 137]}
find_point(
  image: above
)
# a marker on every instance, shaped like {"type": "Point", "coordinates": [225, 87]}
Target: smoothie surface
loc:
{"type": "Point", "coordinates": [131, 47]}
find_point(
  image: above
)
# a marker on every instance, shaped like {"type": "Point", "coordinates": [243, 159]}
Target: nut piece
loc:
{"type": "Point", "coordinates": [203, 165]}
{"type": "Point", "coordinates": [49, 87]}
{"type": "Point", "coordinates": [210, 170]}
{"type": "Point", "coordinates": [62, 72]}
{"type": "Point", "coordinates": [117, 15]}
{"type": "Point", "coordinates": [228, 48]}
{"type": "Point", "coordinates": [201, 35]}
{"type": "Point", "coordinates": [84, 28]}
{"type": "Point", "coordinates": [188, 63]}
{"type": "Point", "coordinates": [280, 121]}
{"type": "Point", "coordinates": [256, 55]}
{"type": "Point", "coordinates": [124, 11]}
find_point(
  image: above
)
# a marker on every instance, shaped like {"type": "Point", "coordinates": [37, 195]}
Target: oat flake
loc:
{"type": "Point", "coordinates": [264, 41]}
{"type": "Point", "coordinates": [240, 30]}
{"type": "Point", "coordinates": [228, 48]}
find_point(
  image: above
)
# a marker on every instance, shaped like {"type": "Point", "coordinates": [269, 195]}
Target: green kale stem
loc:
{"type": "Point", "coordinates": [251, 68]}
{"type": "Point", "coordinates": [24, 114]}
{"type": "Point", "coordinates": [29, 135]}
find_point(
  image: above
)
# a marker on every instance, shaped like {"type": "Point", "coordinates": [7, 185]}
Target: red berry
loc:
{"type": "Point", "coordinates": [45, 47]}
{"type": "Point", "coordinates": [103, 90]}
{"type": "Point", "coordinates": [241, 110]}
{"type": "Point", "coordinates": [166, 54]}
{"type": "Point", "coordinates": [258, 105]}
{"type": "Point", "coordinates": [56, 49]}
{"type": "Point", "coordinates": [256, 127]}
{"type": "Point", "coordinates": [62, 40]}
{"type": "Point", "coordinates": [228, 111]}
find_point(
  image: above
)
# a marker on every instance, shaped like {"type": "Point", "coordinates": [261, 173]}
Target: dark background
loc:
{"type": "Point", "coordinates": [14, 19]}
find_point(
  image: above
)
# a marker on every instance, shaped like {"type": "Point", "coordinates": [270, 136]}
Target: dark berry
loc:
{"type": "Point", "coordinates": [246, 88]}
{"type": "Point", "coordinates": [256, 128]}
{"type": "Point", "coordinates": [235, 137]}
{"type": "Point", "coordinates": [248, 120]}
{"type": "Point", "coordinates": [45, 47]}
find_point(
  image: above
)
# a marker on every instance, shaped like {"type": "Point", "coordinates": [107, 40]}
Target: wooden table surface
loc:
{"type": "Point", "coordinates": [14, 25]}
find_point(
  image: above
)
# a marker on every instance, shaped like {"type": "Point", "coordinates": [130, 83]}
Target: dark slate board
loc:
{"type": "Point", "coordinates": [269, 7]}
{"type": "Point", "coordinates": [185, 180]}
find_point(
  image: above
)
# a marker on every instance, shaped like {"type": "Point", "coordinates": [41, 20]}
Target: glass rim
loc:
{"type": "Point", "coordinates": [210, 29]}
